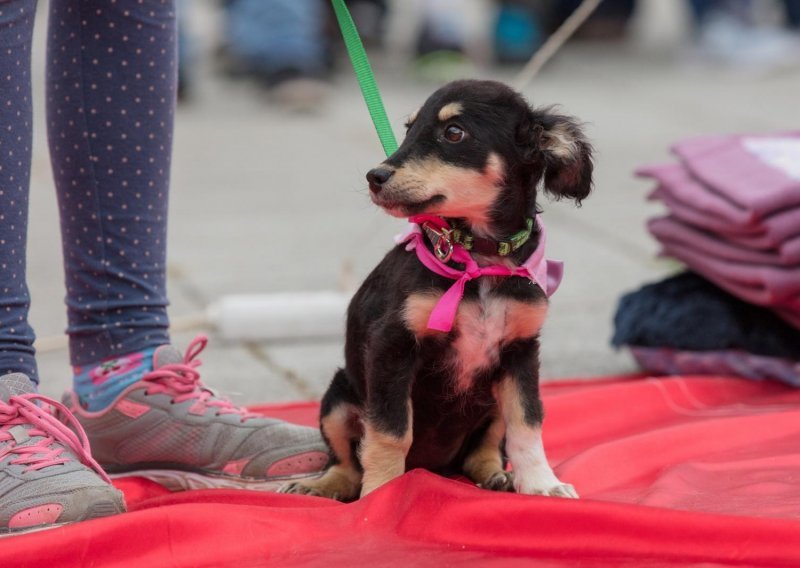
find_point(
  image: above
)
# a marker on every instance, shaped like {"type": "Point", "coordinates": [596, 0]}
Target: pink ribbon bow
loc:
{"type": "Point", "coordinates": [545, 273]}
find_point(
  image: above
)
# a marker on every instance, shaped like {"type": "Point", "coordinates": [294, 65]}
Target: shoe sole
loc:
{"type": "Point", "coordinates": [177, 480]}
{"type": "Point", "coordinates": [6, 533]}
{"type": "Point", "coordinates": [99, 510]}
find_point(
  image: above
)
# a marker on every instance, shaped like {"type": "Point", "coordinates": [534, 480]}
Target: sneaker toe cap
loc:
{"type": "Point", "coordinates": [50, 501]}
{"type": "Point", "coordinates": [285, 450]}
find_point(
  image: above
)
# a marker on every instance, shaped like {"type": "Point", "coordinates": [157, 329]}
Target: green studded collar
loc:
{"type": "Point", "coordinates": [443, 240]}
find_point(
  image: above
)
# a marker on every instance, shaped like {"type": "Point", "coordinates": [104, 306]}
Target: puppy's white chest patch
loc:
{"type": "Point", "coordinates": [481, 328]}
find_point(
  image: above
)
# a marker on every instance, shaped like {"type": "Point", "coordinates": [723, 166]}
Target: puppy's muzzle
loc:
{"type": "Point", "coordinates": [377, 177]}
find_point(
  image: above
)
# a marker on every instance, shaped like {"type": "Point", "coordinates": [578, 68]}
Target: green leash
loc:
{"type": "Point", "coordinates": [366, 80]}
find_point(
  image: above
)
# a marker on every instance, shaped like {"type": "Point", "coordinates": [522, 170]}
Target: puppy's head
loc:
{"type": "Point", "coordinates": [477, 151]}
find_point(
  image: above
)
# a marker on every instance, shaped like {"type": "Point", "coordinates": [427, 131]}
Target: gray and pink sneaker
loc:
{"type": "Point", "coordinates": [170, 428]}
{"type": "Point", "coordinates": [47, 475]}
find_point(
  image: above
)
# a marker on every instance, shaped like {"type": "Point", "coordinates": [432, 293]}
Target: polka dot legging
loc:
{"type": "Point", "coordinates": [111, 83]}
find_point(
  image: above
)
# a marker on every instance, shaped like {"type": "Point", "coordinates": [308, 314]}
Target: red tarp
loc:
{"type": "Point", "coordinates": [671, 471]}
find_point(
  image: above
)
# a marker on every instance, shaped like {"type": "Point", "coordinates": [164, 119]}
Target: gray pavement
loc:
{"type": "Point", "coordinates": [248, 175]}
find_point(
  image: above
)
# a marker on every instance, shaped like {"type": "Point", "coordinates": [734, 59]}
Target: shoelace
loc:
{"type": "Point", "coordinates": [182, 382]}
{"type": "Point", "coordinates": [23, 410]}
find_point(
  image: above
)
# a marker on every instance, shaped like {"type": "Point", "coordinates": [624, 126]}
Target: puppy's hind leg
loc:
{"type": "Point", "coordinates": [484, 464]}
{"type": "Point", "coordinates": [340, 426]}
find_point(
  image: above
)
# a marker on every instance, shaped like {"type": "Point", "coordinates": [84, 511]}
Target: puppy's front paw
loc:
{"type": "Point", "coordinates": [499, 481]}
{"type": "Point", "coordinates": [544, 483]}
{"type": "Point", "coordinates": [297, 488]}
{"type": "Point", "coordinates": [336, 483]}
{"type": "Point", "coordinates": [563, 490]}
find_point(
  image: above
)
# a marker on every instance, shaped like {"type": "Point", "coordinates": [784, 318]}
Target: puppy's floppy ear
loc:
{"type": "Point", "coordinates": [561, 147]}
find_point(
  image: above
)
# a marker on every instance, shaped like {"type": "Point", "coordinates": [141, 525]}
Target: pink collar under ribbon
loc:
{"type": "Point", "coordinates": [539, 270]}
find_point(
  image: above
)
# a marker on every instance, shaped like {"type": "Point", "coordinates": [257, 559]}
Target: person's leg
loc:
{"type": "Point", "coordinates": [46, 472]}
{"type": "Point", "coordinates": [16, 335]}
{"type": "Point", "coordinates": [111, 88]}
{"type": "Point", "coordinates": [111, 98]}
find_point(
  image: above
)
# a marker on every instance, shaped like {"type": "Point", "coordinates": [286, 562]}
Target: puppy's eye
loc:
{"type": "Point", "coordinates": [454, 133]}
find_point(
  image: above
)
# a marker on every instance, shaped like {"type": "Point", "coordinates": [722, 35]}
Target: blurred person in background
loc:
{"type": "Point", "coordinates": [523, 25]}
{"type": "Point", "coordinates": [609, 21]}
{"type": "Point", "coordinates": [280, 43]}
{"type": "Point", "coordinates": [285, 45]}
{"type": "Point", "coordinates": [748, 33]}
{"type": "Point", "coordinates": [755, 34]}
{"type": "Point", "coordinates": [520, 27]}
{"type": "Point", "coordinates": [517, 29]}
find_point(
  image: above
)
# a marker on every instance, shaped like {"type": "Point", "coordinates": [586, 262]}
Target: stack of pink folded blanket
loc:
{"type": "Point", "coordinates": [734, 215]}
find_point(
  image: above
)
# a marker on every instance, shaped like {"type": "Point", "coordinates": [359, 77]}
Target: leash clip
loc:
{"type": "Point", "coordinates": [444, 248]}
{"type": "Point", "coordinates": [442, 241]}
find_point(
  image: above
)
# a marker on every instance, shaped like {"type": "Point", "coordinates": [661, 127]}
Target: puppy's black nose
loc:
{"type": "Point", "coordinates": [377, 177]}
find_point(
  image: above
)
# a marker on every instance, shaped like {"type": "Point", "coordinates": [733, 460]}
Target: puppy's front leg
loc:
{"type": "Point", "coordinates": [517, 395]}
{"type": "Point", "coordinates": [383, 451]}
{"type": "Point", "coordinates": [388, 422]}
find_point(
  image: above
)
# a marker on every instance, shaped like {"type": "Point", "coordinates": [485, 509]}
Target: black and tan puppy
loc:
{"type": "Point", "coordinates": [465, 400]}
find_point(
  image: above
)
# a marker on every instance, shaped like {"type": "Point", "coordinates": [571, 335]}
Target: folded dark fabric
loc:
{"type": "Point", "coordinates": [769, 286]}
{"type": "Point", "coordinates": [688, 313]}
{"type": "Point", "coordinates": [728, 362]}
